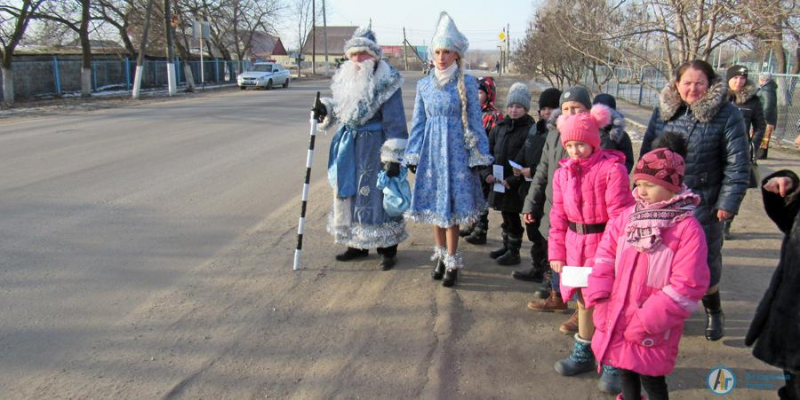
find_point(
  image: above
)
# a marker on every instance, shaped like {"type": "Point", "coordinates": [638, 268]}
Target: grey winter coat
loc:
{"type": "Point", "coordinates": [718, 163]}
{"type": "Point", "coordinates": [776, 325]}
{"type": "Point", "coordinates": [768, 93]}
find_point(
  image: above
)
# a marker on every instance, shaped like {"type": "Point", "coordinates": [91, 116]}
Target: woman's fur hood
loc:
{"type": "Point", "coordinates": [704, 109]}
{"type": "Point", "coordinates": [748, 91]}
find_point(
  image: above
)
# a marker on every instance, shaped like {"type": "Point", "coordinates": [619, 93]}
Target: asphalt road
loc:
{"type": "Point", "coordinates": [145, 252]}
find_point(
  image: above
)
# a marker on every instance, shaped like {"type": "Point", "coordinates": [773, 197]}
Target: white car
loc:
{"type": "Point", "coordinates": [264, 75]}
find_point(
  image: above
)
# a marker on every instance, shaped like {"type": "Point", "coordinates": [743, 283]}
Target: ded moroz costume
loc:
{"type": "Point", "coordinates": [367, 106]}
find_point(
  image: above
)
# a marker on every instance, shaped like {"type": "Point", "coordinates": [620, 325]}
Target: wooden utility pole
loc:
{"type": "Point", "coordinates": [137, 81]}
{"type": "Point", "coordinates": [313, 37]}
{"type": "Point", "coordinates": [168, 25]}
{"type": "Point", "coordinates": [405, 49]}
{"type": "Point", "coordinates": [325, 38]}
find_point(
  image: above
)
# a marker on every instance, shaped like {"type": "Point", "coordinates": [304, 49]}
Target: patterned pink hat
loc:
{"type": "Point", "coordinates": [662, 167]}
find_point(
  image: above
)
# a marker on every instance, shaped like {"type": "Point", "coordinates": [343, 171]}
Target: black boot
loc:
{"type": "Point", "coordinates": [536, 272]}
{"type": "Point", "coordinates": [438, 256]}
{"type": "Point", "coordinates": [499, 252]}
{"type": "Point", "coordinates": [450, 277]}
{"type": "Point", "coordinates": [512, 255]}
{"type": "Point", "coordinates": [477, 237]}
{"type": "Point", "coordinates": [544, 289]}
{"type": "Point", "coordinates": [389, 257]}
{"type": "Point", "coordinates": [351, 254]}
{"type": "Point", "coordinates": [533, 274]}
{"type": "Point", "coordinates": [453, 264]}
{"type": "Point", "coordinates": [715, 323]}
{"type": "Point", "coordinates": [466, 230]}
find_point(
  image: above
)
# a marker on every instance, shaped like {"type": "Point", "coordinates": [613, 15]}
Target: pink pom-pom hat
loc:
{"type": "Point", "coordinates": [584, 127]}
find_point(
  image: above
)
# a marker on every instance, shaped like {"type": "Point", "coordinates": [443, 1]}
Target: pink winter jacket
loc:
{"type": "Point", "coordinates": [641, 299]}
{"type": "Point", "coordinates": [589, 191]}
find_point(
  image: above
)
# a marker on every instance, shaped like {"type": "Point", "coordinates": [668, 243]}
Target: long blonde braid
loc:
{"type": "Point", "coordinates": [462, 93]}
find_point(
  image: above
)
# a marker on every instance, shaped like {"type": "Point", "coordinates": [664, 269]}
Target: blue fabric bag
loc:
{"type": "Point", "coordinates": [396, 192]}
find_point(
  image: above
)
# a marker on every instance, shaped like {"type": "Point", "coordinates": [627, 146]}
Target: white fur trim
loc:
{"type": "Point", "coordinates": [393, 149]}
{"type": "Point", "coordinates": [361, 49]}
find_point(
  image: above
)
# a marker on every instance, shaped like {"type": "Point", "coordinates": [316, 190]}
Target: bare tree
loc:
{"type": "Point", "coordinates": [77, 15]}
{"type": "Point", "coordinates": [302, 10]}
{"type": "Point", "coordinates": [14, 20]}
{"type": "Point", "coordinates": [117, 13]}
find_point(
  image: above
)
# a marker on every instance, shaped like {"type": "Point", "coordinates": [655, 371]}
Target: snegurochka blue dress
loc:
{"type": "Point", "coordinates": [446, 191]}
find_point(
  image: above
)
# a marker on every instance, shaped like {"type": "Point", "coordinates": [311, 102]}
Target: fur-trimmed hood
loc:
{"type": "Point", "coordinates": [748, 91]}
{"type": "Point", "coordinates": [551, 122]}
{"type": "Point", "coordinates": [616, 129]}
{"type": "Point", "coordinates": [704, 109]}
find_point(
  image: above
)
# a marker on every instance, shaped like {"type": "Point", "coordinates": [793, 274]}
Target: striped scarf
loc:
{"type": "Point", "coordinates": [648, 221]}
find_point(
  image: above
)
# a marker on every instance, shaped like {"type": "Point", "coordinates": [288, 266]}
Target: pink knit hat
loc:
{"type": "Point", "coordinates": [584, 127]}
{"type": "Point", "coordinates": [662, 167]}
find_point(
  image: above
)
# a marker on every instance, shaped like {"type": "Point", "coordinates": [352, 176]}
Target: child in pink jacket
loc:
{"type": "Point", "coordinates": [649, 273]}
{"type": "Point", "coordinates": [589, 188]}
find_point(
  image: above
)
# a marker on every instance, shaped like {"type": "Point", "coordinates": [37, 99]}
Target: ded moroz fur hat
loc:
{"type": "Point", "coordinates": [363, 40]}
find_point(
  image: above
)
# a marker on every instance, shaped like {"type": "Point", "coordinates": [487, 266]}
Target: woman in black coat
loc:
{"type": "Point", "coordinates": [776, 326]}
{"type": "Point", "coordinates": [717, 164]}
{"type": "Point", "coordinates": [744, 96]}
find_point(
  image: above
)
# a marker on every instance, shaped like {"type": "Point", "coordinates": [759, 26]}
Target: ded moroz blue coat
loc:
{"type": "Point", "coordinates": [366, 138]}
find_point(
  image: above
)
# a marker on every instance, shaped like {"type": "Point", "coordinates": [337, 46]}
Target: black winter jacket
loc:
{"type": "Point", "coordinates": [718, 163]}
{"type": "Point", "coordinates": [748, 103]}
{"type": "Point", "coordinates": [776, 325]}
{"type": "Point", "coordinates": [507, 142]}
{"type": "Point", "coordinates": [768, 93]}
{"type": "Point", "coordinates": [532, 154]}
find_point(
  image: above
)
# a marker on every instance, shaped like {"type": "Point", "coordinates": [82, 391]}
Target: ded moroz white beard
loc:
{"type": "Point", "coordinates": [352, 85]}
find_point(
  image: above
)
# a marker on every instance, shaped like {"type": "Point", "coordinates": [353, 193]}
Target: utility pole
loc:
{"type": "Point", "coordinates": [325, 38]}
{"type": "Point", "coordinates": [405, 49]}
{"type": "Point", "coordinates": [137, 80]}
{"type": "Point", "coordinates": [168, 24]}
{"type": "Point", "coordinates": [508, 44]}
{"type": "Point", "coordinates": [313, 37]}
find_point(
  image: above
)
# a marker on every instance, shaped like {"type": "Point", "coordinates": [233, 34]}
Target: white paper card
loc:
{"type": "Point", "coordinates": [575, 276]}
{"type": "Point", "coordinates": [519, 167]}
{"type": "Point", "coordinates": [497, 171]}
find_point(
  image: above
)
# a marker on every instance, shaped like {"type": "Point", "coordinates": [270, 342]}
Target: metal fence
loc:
{"type": "Point", "coordinates": [643, 87]}
{"type": "Point", "coordinates": [34, 79]}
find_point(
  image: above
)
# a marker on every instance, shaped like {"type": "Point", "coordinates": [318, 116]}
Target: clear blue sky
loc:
{"type": "Point", "coordinates": [481, 21]}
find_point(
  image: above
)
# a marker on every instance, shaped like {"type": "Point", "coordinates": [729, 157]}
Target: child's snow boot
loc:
{"type": "Point", "coordinates": [580, 361]}
{"type": "Point", "coordinates": [609, 380]}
